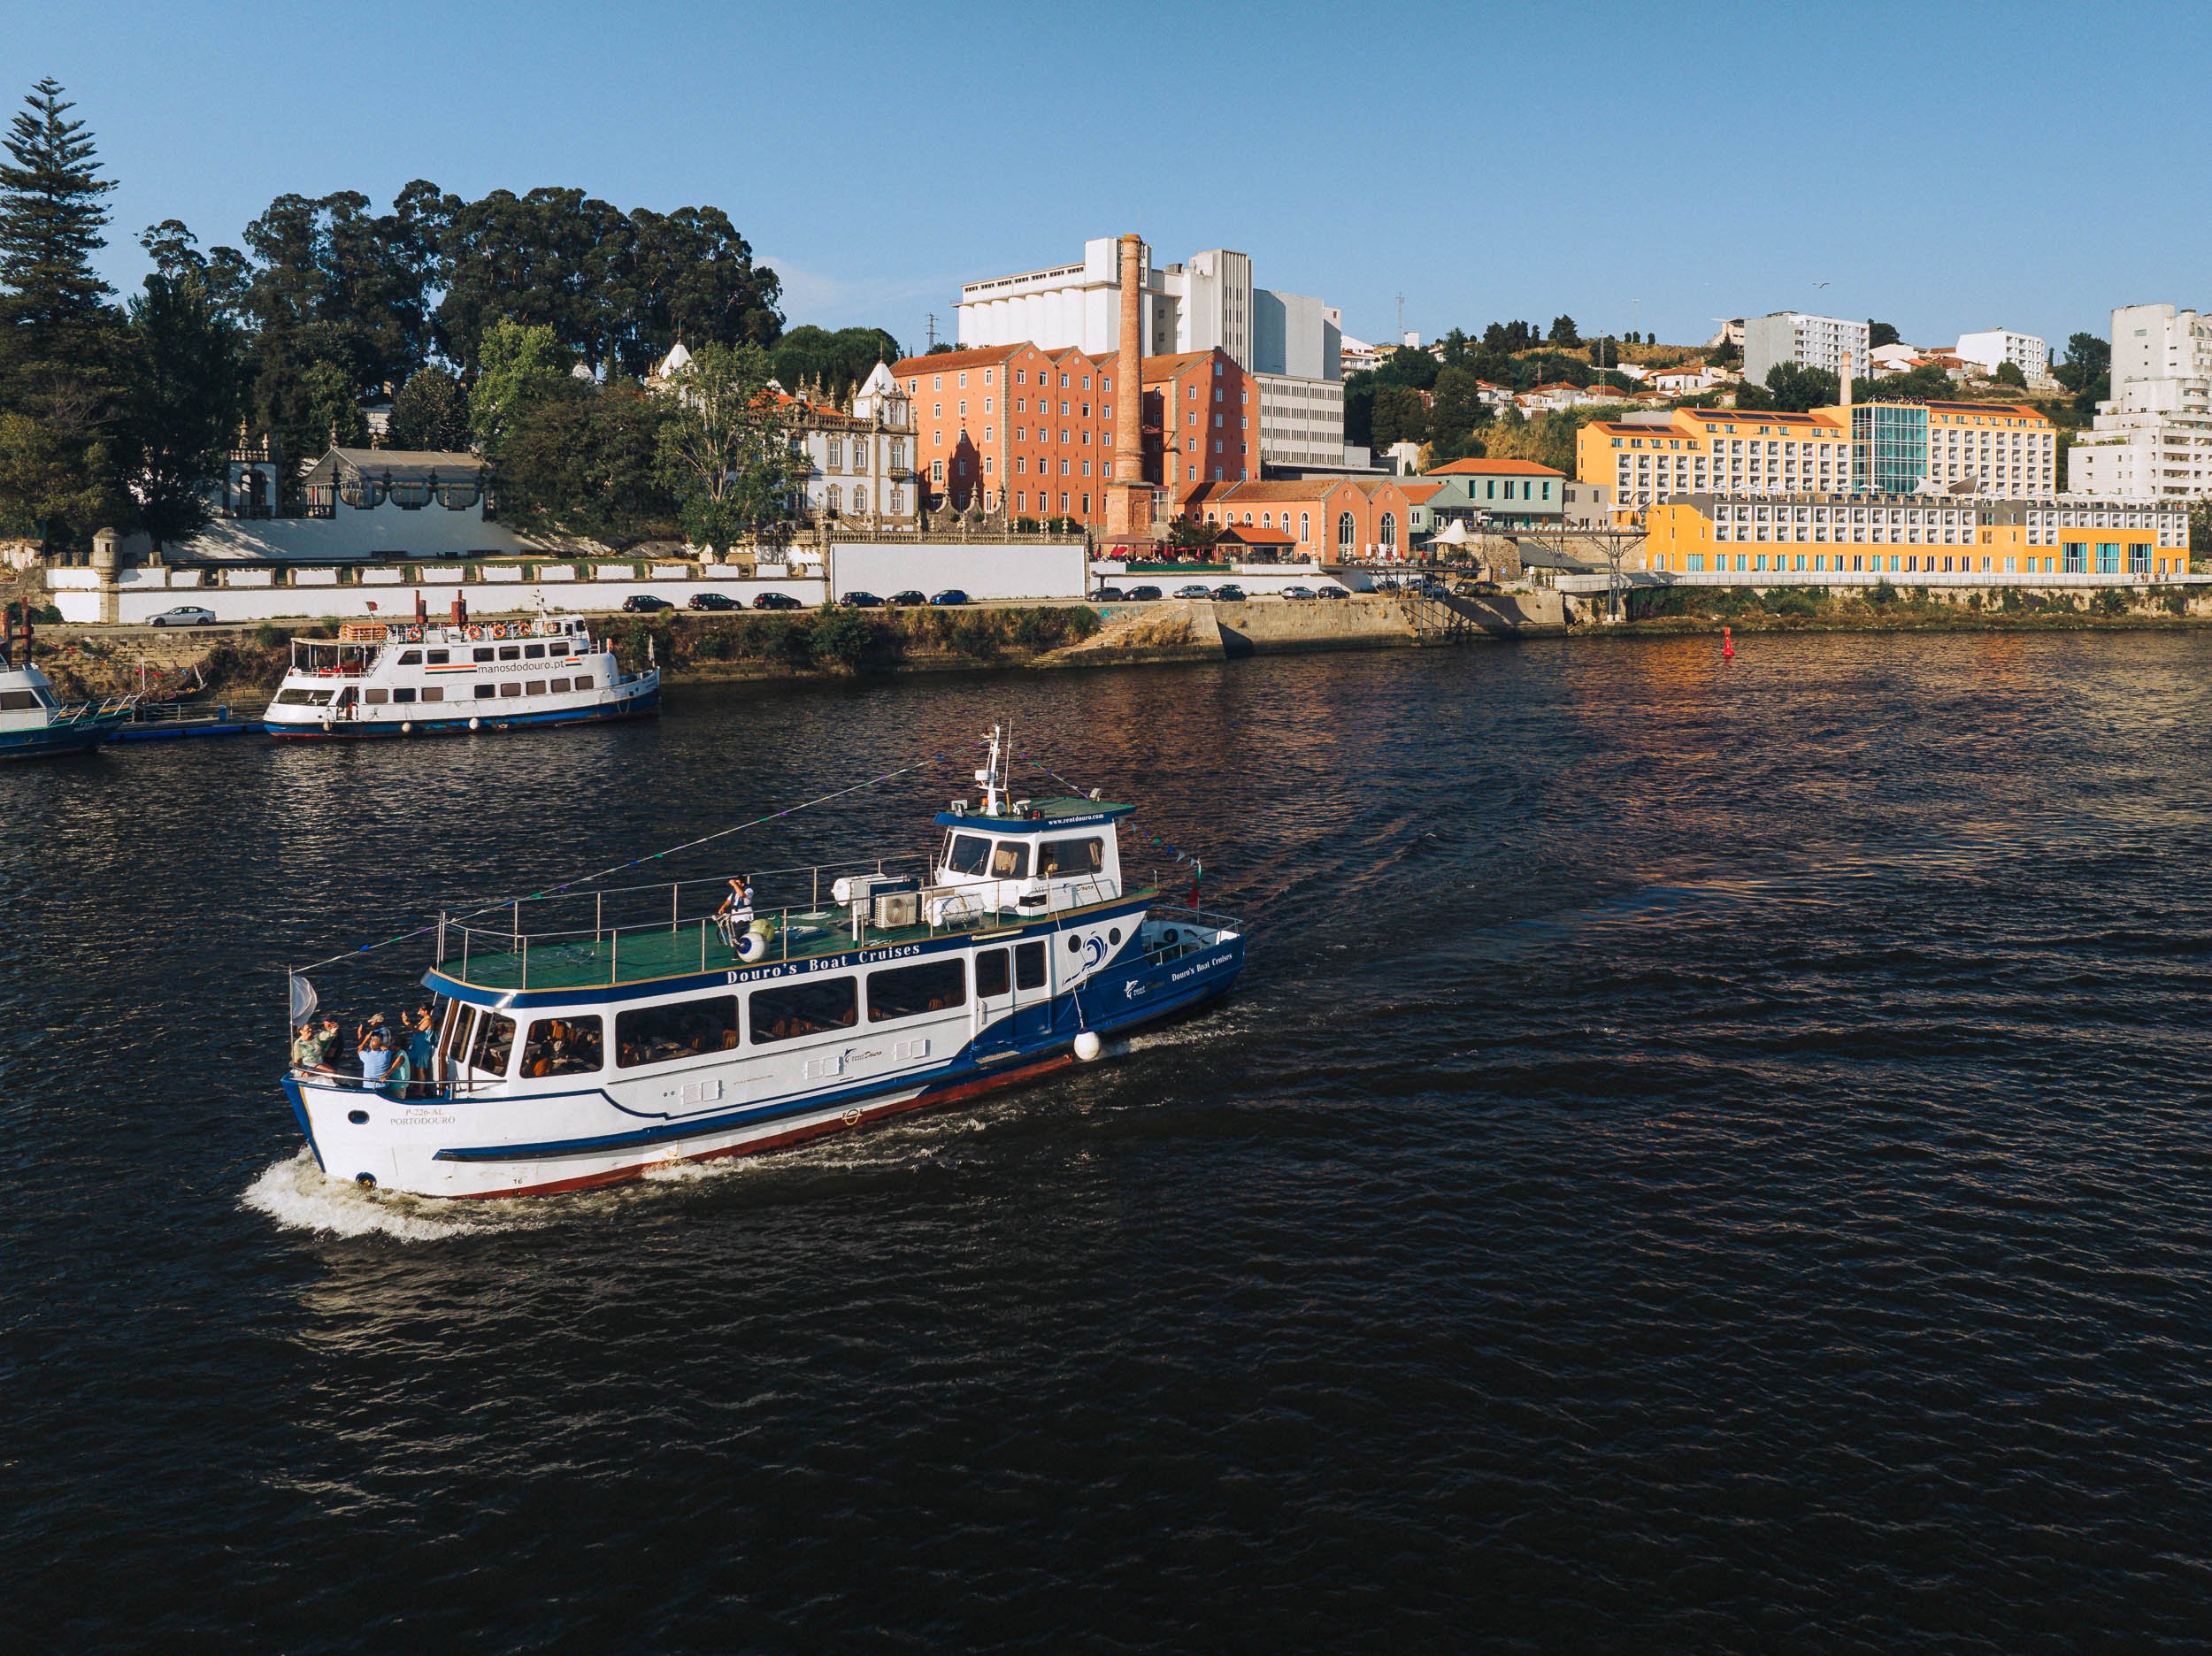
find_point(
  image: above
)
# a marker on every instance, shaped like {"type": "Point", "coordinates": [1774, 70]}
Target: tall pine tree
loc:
{"type": "Point", "coordinates": [58, 332]}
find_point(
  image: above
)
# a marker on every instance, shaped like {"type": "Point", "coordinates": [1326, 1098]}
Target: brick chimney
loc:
{"type": "Point", "coordinates": [1128, 498]}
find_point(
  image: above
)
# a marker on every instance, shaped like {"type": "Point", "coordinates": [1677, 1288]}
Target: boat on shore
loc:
{"type": "Point", "coordinates": [565, 1058]}
{"type": "Point", "coordinates": [416, 679]}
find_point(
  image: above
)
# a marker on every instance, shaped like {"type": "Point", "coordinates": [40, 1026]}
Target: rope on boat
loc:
{"type": "Point", "coordinates": [655, 857]}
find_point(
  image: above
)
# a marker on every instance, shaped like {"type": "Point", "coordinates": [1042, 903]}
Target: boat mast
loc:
{"type": "Point", "coordinates": [993, 775]}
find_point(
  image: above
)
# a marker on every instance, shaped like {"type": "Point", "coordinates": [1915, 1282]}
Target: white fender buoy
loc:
{"type": "Point", "coordinates": [407, 727]}
{"type": "Point", "coordinates": [476, 723]}
{"type": "Point", "coordinates": [1087, 1047]}
{"type": "Point", "coordinates": [751, 946]}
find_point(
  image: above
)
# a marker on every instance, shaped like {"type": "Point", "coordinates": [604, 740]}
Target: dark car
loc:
{"type": "Point", "coordinates": [1332, 592]}
{"type": "Point", "coordinates": [1111, 594]}
{"type": "Point", "coordinates": [776, 601]}
{"type": "Point", "coordinates": [1229, 592]}
{"type": "Point", "coordinates": [862, 601]}
{"type": "Point", "coordinates": [714, 601]}
{"type": "Point", "coordinates": [1144, 595]}
{"type": "Point", "coordinates": [909, 596]}
{"type": "Point", "coordinates": [950, 595]}
{"type": "Point", "coordinates": [645, 603]}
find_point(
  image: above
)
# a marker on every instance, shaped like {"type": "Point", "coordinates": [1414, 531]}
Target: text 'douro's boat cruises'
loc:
{"type": "Point", "coordinates": [557, 1060]}
{"type": "Point", "coordinates": [378, 678]}
{"type": "Point", "coordinates": [34, 723]}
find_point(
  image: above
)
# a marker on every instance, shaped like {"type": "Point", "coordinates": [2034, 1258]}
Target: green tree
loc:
{"type": "Point", "coordinates": [331, 411]}
{"type": "Point", "coordinates": [431, 411]}
{"type": "Point", "coordinates": [518, 366]}
{"type": "Point", "coordinates": [1359, 408]}
{"type": "Point", "coordinates": [59, 337]}
{"type": "Point", "coordinates": [1925, 384]}
{"type": "Point", "coordinates": [587, 461]}
{"type": "Point", "coordinates": [1563, 334]}
{"type": "Point", "coordinates": [728, 448]}
{"type": "Point", "coordinates": [2086, 370]}
{"type": "Point", "coordinates": [184, 387]}
{"type": "Point", "coordinates": [1400, 415]}
{"type": "Point", "coordinates": [1795, 387]}
{"type": "Point", "coordinates": [1406, 366]}
{"type": "Point", "coordinates": [1191, 534]}
{"type": "Point", "coordinates": [1880, 334]}
{"type": "Point", "coordinates": [836, 362]}
{"type": "Point", "coordinates": [1456, 409]}
{"type": "Point", "coordinates": [2008, 373]}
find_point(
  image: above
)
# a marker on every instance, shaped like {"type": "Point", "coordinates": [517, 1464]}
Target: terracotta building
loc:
{"type": "Point", "coordinates": [1031, 431]}
{"type": "Point", "coordinates": [1331, 519]}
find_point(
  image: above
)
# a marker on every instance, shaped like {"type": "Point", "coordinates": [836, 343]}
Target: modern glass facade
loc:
{"type": "Point", "coordinates": [1889, 448]}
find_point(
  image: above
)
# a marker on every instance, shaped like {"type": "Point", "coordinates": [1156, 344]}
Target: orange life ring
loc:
{"type": "Point", "coordinates": [474, 631]}
{"type": "Point", "coordinates": [414, 635]}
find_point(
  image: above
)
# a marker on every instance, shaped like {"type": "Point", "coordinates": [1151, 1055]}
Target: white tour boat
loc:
{"type": "Point", "coordinates": [568, 1058]}
{"type": "Point", "coordinates": [380, 678]}
{"type": "Point", "coordinates": [34, 723]}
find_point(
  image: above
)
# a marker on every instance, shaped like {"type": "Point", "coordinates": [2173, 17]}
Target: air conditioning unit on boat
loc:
{"type": "Point", "coordinates": [852, 888]}
{"type": "Point", "coordinates": [899, 908]}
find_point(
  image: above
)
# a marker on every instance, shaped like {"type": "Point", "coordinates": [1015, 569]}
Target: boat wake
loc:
{"type": "Point", "coordinates": [295, 1193]}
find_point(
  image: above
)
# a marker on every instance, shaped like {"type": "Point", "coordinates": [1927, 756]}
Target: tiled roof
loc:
{"type": "Point", "coordinates": [989, 356]}
{"type": "Point", "coordinates": [1479, 467]}
{"type": "Point", "coordinates": [1418, 494]}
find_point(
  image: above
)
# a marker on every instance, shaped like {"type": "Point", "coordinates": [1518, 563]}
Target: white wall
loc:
{"type": "Point", "coordinates": [986, 574]}
{"type": "Point", "coordinates": [137, 605]}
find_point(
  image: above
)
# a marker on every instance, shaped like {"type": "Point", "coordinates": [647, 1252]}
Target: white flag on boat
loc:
{"type": "Point", "coordinates": [303, 998]}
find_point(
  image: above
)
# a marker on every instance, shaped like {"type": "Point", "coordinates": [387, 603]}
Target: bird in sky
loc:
{"type": "Point", "coordinates": [1820, 284]}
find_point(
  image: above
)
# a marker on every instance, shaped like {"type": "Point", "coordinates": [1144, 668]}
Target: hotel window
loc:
{"type": "Point", "coordinates": [937, 471]}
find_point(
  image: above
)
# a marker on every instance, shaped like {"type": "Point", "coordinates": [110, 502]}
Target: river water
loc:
{"type": "Point", "coordinates": [1707, 1156]}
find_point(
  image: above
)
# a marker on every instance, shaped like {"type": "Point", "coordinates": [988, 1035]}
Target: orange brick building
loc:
{"type": "Point", "coordinates": [1031, 431]}
{"type": "Point", "coordinates": [1330, 518]}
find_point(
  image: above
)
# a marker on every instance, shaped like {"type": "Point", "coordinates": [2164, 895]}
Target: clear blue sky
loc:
{"type": "Point", "coordinates": [1942, 168]}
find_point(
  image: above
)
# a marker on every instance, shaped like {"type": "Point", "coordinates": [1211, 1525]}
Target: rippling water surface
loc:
{"type": "Point", "coordinates": [1703, 1160]}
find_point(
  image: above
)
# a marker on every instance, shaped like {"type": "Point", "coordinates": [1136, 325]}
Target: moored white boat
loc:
{"type": "Point", "coordinates": [568, 1058]}
{"type": "Point", "coordinates": [34, 723]}
{"type": "Point", "coordinates": [394, 679]}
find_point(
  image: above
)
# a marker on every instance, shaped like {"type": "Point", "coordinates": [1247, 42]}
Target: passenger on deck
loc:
{"type": "Point", "coordinates": [333, 1042]}
{"type": "Point", "coordinates": [376, 1059]}
{"type": "Point", "coordinates": [738, 906]}
{"type": "Point", "coordinates": [399, 1073]}
{"type": "Point", "coordinates": [420, 1042]}
{"type": "Point", "coordinates": [374, 1026]}
{"type": "Point", "coordinates": [307, 1048]}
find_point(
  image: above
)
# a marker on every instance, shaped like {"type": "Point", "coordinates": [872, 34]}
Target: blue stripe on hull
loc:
{"type": "Point", "coordinates": [1160, 996]}
{"type": "Point", "coordinates": [350, 730]}
{"type": "Point", "coordinates": [42, 744]}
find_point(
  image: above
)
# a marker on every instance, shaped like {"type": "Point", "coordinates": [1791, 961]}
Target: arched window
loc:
{"type": "Point", "coordinates": [1302, 528]}
{"type": "Point", "coordinates": [1347, 532]}
{"type": "Point", "coordinates": [860, 501]}
{"type": "Point", "coordinates": [1389, 529]}
{"type": "Point", "coordinates": [830, 499]}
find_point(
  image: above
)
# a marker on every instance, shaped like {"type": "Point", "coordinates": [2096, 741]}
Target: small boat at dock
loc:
{"type": "Point", "coordinates": [34, 723]}
{"type": "Point", "coordinates": [572, 1053]}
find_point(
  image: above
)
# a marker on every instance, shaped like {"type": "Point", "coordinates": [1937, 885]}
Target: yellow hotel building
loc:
{"type": "Point", "coordinates": [2000, 448]}
{"type": "Point", "coordinates": [1812, 535]}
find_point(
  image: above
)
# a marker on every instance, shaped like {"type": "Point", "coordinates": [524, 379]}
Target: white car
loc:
{"type": "Point", "coordinates": [184, 615]}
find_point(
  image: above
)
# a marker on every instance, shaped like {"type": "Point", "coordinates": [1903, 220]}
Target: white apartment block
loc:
{"type": "Point", "coordinates": [1292, 343]}
{"type": "Point", "coordinates": [2153, 438]}
{"type": "Point", "coordinates": [1994, 346]}
{"type": "Point", "coordinates": [1811, 342]}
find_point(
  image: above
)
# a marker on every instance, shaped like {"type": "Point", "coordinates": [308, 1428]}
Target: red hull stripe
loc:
{"type": "Point", "coordinates": [796, 1135]}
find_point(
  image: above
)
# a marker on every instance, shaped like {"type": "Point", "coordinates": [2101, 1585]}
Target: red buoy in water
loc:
{"type": "Point", "coordinates": [1727, 644]}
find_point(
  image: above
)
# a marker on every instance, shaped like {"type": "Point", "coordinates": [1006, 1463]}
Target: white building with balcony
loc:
{"type": "Point", "coordinates": [2152, 439]}
{"type": "Point", "coordinates": [1992, 348]}
{"type": "Point", "coordinates": [1810, 342]}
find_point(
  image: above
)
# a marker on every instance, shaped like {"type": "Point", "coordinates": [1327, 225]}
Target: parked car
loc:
{"type": "Point", "coordinates": [184, 615]}
{"type": "Point", "coordinates": [1144, 595]}
{"type": "Point", "coordinates": [1194, 589]}
{"type": "Point", "coordinates": [1229, 592]}
{"type": "Point", "coordinates": [714, 601]}
{"type": "Point", "coordinates": [776, 601]}
{"type": "Point", "coordinates": [862, 601]}
{"type": "Point", "coordinates": [1111, 594]}
{"type": "Point", "coordinates": [950, 595]}
{"type": "Point", "coordinates": [645, 603]}
{"type": "Point", "coordinates": [1332, 592]}
{"type": "Point", "coordinates": [1298, 590]}
{"type": "Point", "coordinates": [909, 596]}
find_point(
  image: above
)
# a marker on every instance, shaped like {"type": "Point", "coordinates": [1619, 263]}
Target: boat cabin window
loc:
{"type": "Point", "coordinates": [304, 698]}
{"type": "Point", "coordinates": [910, 991]}
{"type": "Point", "coordinates": [494, 1042]}
{"type": "Point", "coordinates": [805, 1008]}
{"type": "Point", "coordinates": [410, 659]}
{"type": "Point", "coordinates": [16, 701]}
{"type": "Point", "coordinates": [683, 1029]}
{"type": "Point", "coordinates": [1029, 965]}
{"type": "Point", "coordinates": [562, 1047]}
{"type": "Point", "coordinates": [511, 652]}
{"type": "Point", "coordinates": [438, 657]}
{"type": "Point", "coordinates": [512, 687]}
{"type": "Point", "coordinates": [485, 653]}
{"type": "Point", "coordinates": [434, 693]}
{"type": "Point", "coordinates": [374, 698]}
{"type": "Point", "coordinates": [966, 853]}
{"type": "Point", "coordinates": [404, 692]}
{"type": "Point", "coordinates": [533, 652]}
{"type": "Point", "coordinates": [453, 1034]}
{"type": "Point", "coordinates": [484, 690]}
{"type": "Point", "coordinates": [1072, 858]}
{"type": "Point", "coordinates": [990, 973]}
{"type": "Point", "coordinates": [1010, 860]}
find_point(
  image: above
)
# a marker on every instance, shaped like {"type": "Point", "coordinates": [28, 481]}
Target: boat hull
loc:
{"type": "Point", "coordinates": [642, 706]}
{"type": "Point", "coordinates": [478, 1146]}
{"type": "Point", "coordinates": [53, 740]}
